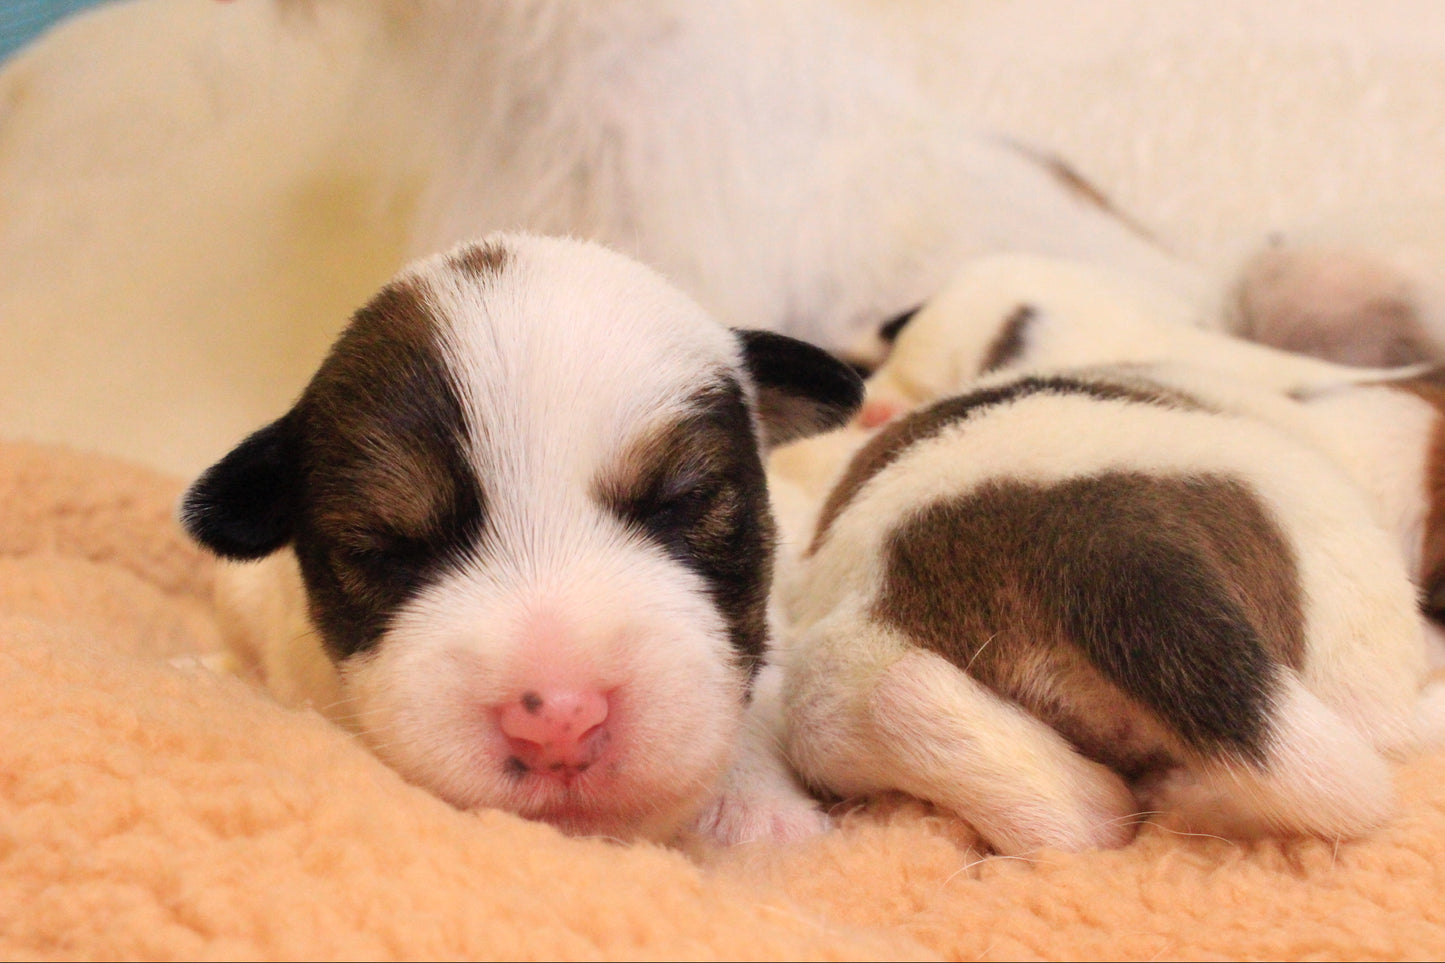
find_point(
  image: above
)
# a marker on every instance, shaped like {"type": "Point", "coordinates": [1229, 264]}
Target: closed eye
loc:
{"type": "Point", "coordinates": [676, 501]}
{"type": "Point", "coordinates": [379, 550]}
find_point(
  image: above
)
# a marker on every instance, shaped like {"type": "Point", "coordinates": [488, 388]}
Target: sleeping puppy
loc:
{"type": "Point", "coordinates": [1036, 601]}
{"type": "Point", "coordinates": [1385, 427]}
{"type": "Point", "coordinates": [520, 541]}
{"type": "Point", "coordinates": [1017, 312]}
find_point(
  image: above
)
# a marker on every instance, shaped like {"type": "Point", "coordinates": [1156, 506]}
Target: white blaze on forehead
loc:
{"type": "Point", "coordinates": [545, 352]}
{"type": "Point", "coordinates": [565, 357]}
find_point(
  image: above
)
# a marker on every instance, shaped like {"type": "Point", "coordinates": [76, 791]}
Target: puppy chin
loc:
{"type": "Point", "coordinates": [429, 700]}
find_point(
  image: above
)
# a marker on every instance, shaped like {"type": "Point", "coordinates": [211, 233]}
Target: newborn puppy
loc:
{"type": "Point", "coordinates": [524, 502]}
{"type": "Point", "coordinates": [1031, 602]}
{"type": "Point", "coordinates": [1016, 313]}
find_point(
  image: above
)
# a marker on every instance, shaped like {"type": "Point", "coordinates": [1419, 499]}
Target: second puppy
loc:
{"type": "Point", "coordinates": [1057, 600]}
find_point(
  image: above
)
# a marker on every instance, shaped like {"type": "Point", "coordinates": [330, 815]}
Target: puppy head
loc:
{"type": "Point", "coordinates": [526, 495]}
{"type": "Point", "coordinates": [1017, 312]}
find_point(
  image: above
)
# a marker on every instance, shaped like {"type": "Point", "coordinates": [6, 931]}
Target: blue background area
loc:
{"type": "Point", "coordinates": [22, 20]}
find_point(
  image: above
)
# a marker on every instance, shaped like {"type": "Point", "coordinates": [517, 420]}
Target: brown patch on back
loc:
{"type": "Point", "coordinates": [919, 426]}
{"type": "Point", "coordinates": [1136, 615]}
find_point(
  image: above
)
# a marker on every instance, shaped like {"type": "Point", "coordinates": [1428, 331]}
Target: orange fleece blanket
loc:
{"type": "Point", "coordinates": [152, 811]}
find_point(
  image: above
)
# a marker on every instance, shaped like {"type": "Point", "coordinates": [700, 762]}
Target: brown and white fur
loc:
{"type": "Point", "coordinates": [518, 537]}
{"type": "Point", "coordinates": [1062, 599]}
{"type": "Point", "coordinates": [1384, 427]}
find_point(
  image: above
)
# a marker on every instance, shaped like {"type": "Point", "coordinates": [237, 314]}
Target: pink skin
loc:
{"type": "Point", "coordinates": [556, 733]}
{"type": "Point", "coordinates": [875, 413]}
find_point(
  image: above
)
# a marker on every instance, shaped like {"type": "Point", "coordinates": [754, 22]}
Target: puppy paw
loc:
{"type": "Point", "coordinates": [744, 816]}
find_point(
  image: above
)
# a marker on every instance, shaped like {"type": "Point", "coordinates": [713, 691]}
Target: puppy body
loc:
{"type": "Point", "coordinates": [1032, 601]}
{"type": "Point", "coordinates": [523, 500]}
{"type": "Point", "coordinates": [1385, 427]}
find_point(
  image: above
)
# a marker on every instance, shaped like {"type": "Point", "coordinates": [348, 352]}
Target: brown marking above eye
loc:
{"type": "Point", "coordinates": [695, 488]}
{"type": "Point", "coordinates": [389, 493]}
{"type": "Point", "coordinates": [682, 460]}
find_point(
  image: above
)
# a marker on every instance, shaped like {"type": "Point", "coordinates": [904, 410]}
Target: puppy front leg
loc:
{"type": "Point", "coordinates": [761, 797]}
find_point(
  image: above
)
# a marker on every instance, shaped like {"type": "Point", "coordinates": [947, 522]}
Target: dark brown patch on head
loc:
{"type": "Point", "coordinates": [925, 423]}
{"type": "Point", "coordinates": [480, 260]}
{"type": "Point", "coordinates": [388, 494]}
{"type": "Point", "coordinates": [531, 702]}
{"type": "Point", "coordinates": [1009, 345]}
{"type": "Point", "coordinates": [696, 488]}
{"type": "Point", "coordinates": [1137, 615]}
{"type": "Point", "coordinates": [889, 331]}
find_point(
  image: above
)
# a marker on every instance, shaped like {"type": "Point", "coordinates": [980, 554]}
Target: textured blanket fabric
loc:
{"type": "Point", "coordinates": [152, 811]}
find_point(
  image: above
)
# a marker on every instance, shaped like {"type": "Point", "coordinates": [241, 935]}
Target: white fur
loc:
{"type": "Point", "coordinates": [775, 160]}
{"type": "Point", "coordinates": [1085, 315]}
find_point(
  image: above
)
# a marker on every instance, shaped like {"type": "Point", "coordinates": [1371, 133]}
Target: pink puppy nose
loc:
{"type": "Point", "coordinates": [560, 732]}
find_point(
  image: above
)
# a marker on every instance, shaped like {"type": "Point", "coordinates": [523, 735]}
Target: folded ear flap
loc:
{"type": "Point", "coordinates": [802, 389]}
{"type": "Point", "coordinates": [245, 506]}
